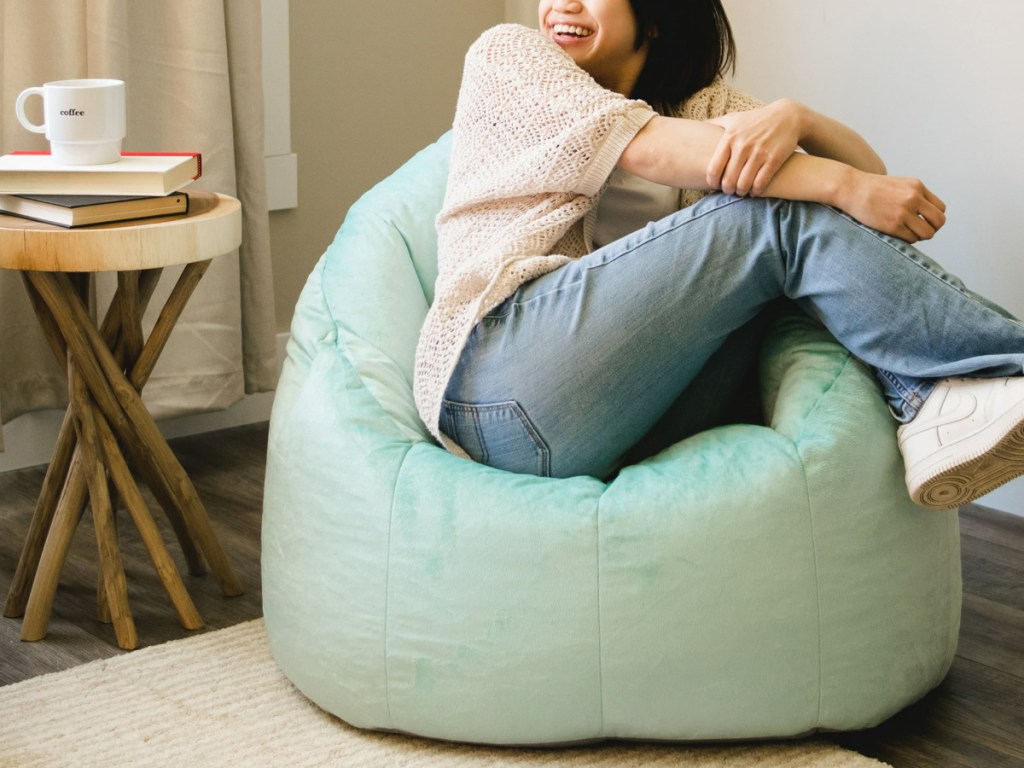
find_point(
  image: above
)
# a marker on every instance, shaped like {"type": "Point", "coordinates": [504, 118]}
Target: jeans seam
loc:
{"type": "Point", "coordinates": [896, 247]}
{"type": "Point", "coordinates": [911, 397]}
{"type": "Point", "coordinates": [624, 252]}
{"type": "Point", "coordinates": [514, 305]}
{"type": "Point", "coordinates": [667, 231]}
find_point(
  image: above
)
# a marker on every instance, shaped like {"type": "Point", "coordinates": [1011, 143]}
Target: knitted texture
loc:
{"type": "Point", "coordinates": [534, 141]}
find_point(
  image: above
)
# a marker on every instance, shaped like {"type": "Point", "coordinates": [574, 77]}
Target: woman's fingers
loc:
{"type": "Point", "coordinates": [932, 198]}
{"type": "Point", "coordinates": [718, 164]}
{"type": "Point", "coordinates": [902, 207]}
{"type": "Point", "coordinates": [926, 212]}
{"type": "Point", "coordinates": [741, 170]}
{"type": "Point", "coordinates": [765, 175]}
{"type": "Point", "coordinates": [934, 215]}
{"type": "Point", "coordinates": [754, 146]}
{"type": "Point", "coordinates": [924, 219]}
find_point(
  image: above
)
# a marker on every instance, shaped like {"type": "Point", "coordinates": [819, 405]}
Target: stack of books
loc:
{"type": "Point", "coordinates": [140, 185]}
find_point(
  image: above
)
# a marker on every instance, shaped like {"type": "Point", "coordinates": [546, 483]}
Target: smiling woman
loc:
{"type": "Point", "coordinates": [734, 586]}
{"type": "Point", "coordinates": [601, 37]}
{"type": "Point", "coordinates": [552, 348]}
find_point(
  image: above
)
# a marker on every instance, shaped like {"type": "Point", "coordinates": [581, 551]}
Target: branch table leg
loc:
{"type": "Point", "coordinates": [124, 410]}
{"type": "Point", "coordinates": [162, 561]}
{"type": "Point", "coordinates": [57, 473]}
{"type": "Point", "coordinates": [115, 586]}
{"type": "Point", "coordinates": [107, 419]}
{"type": "Point", "coordinates": [55, 552]}
{"type": "Point", "coordinates": [122, 332]}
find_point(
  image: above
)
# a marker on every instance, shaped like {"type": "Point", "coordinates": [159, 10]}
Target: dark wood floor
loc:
{"type": "Point", "coordinates": [975, 719]}
{"type": "Point", "coordinates": [227, 470]}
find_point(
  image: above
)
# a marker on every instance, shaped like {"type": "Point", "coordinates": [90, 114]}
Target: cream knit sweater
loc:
{"type": "Point", "coordinates": [534, 141]}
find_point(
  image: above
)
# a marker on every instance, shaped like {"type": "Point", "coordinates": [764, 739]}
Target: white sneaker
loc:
{"type": "Point", "coordinates": [967, 439]}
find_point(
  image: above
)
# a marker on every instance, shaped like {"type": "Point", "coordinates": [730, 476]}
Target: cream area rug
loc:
{"type": "Point", "coordinates": [218, 699]}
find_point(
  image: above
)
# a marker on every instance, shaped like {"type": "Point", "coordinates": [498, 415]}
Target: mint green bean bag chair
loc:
{"type": "Point", "coordinates": [748, 582]}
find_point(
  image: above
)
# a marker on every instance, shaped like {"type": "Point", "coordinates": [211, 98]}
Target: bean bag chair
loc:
{"type": "Point", "coordinates": [751, 581]}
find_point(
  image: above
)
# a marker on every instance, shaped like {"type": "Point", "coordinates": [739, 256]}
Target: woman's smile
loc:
{"type": "Point", "coordinates": [600, 35]}
{"type": "Point", "coordinates": [569, 33]}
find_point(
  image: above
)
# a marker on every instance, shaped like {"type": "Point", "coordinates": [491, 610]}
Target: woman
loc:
{"type": "Point", "coordinates": [580, 292]}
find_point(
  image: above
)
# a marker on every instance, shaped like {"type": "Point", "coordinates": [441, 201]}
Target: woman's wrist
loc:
{"type": "Point", "coordinates": [803, 118]}
{"type": "Point", "coordinates": [844, 183]}
{"type": "Point", "coordinates": [817, 180]}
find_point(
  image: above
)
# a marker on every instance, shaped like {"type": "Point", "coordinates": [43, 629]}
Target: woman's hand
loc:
{"type": "Point", "coordinates": [677, 152]}
{"type": "Point", "coordinates": [901, 207]}
{"type": "Point", "coordinates": [754, 146]}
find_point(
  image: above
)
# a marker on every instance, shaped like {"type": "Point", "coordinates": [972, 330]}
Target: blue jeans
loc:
{"type": "Point", "coordinates": [576, 367]}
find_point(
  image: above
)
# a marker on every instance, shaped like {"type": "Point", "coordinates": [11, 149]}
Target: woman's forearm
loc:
{"type": "Point", "coordinates": [675, 152]}
{"type": "Point", "coordinates": [756, 142]}
{"type": "Point", "coordinates": [823, 136]}
{"type": "Point", "coordinates": [672, 151]}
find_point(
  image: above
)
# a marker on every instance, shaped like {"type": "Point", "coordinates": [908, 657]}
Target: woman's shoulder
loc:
{"type": "Point", "coordinates": [716, 100]}
{"type": "Point", "coordinates": [506, 44]}
{"type": "Point", "coordinates": [510, 34]}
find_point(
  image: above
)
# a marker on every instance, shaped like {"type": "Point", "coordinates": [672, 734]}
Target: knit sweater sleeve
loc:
{"type": "Point", "coordinates": [533, 143]}
{"type": "Point", "coordinates": [716, 100]}
{"type": "Point", "coordinates": [529, 121]}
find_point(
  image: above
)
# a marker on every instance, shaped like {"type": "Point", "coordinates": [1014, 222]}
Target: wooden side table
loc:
{"type": "Point", "coordinates": [107, 429]}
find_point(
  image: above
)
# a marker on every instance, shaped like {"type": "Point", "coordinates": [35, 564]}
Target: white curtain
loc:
{"type": "Point", "coordinates": [194, 83]}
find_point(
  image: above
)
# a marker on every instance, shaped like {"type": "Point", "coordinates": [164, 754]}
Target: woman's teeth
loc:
{"type": "Point", "coordinates": [567, 29]}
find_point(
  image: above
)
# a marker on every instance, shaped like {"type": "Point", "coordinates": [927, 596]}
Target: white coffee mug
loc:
{"type": "Point", "coordinates": [84, 120]}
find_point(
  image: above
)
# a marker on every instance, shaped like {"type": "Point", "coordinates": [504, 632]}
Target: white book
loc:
{"type": "Point", "coordinates": [136, 173]}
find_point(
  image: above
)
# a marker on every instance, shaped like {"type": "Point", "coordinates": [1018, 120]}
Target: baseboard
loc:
{"type": "Point", "coordinates": [29, 439]}
{"type": "Point", "coordinates": [1009, 498]}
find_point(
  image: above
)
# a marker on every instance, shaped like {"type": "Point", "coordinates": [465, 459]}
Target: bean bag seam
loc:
{"type": "Point", "coordinates": [340, 344]}
{"type": "Point", "coordinates": [810, 515]}
{"type": "Point", "coordinates": [600, 618]}
{"type": "Point", "coordinates": [817, 578]}
{"type": "Point", "coordinates": [387, 587]}
{"type": "Point", "coordinates": [408, 248]}
{"type": "Point", "coordinates": [822, 397]}
{"type": "Point", "coordinates": [357, 212]}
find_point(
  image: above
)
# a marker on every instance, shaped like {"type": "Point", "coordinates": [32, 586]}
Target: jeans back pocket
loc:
{"type": "Point", "coordinates": [499, 435]}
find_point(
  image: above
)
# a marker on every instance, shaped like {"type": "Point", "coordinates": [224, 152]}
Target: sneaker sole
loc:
{"type": "Point", "coordinates": [945, 487]}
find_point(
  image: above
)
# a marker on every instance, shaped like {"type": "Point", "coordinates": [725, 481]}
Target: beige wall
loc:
{"type": "Point", "coordinates": [371, 84]}
{"type": "Point", "coordinates": [521, 12]}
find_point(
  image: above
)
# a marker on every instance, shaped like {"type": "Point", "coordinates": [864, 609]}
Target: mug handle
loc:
{"type": "Point", "coordinates": [19, 110]}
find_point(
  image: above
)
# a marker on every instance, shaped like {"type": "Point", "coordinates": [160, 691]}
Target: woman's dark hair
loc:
{"type": "Point", "coordinates": [691, 43]}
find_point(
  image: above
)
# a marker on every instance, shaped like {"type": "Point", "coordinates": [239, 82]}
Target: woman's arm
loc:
{"type": "Point", "coordinates": [823, 136]}
{"type": "Point", "coordinates": [757, 142]}
{"type": "Point", "coordinates": [676, 152]}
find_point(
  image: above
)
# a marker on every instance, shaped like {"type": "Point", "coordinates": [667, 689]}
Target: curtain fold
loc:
{"type": "Point", "coordinates": [194, 83]}
{"type": "Point", "coordinates": [244, 46]}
